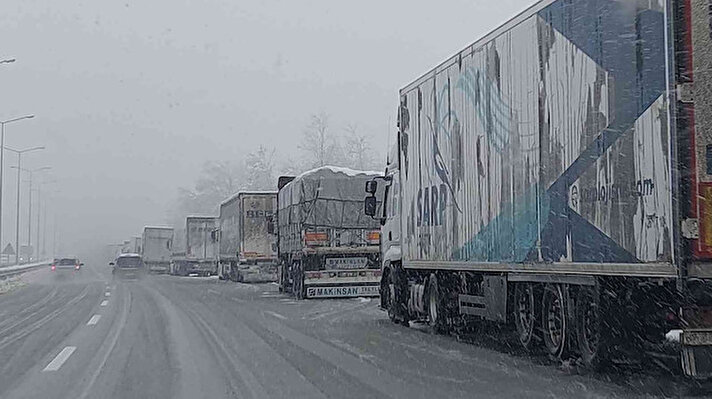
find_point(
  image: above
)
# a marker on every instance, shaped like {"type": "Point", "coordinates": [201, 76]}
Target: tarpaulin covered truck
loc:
{"type": "Point", "coordinates": [248, 245]}
{"type": "Point", "coordinates": [557, 174]}
{"type": "Point", "coordinates": [327, 246]}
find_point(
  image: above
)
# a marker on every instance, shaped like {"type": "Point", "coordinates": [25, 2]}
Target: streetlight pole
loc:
{"type": "Point", "coordinates": [17, 216]}
{"type": "Point", "coordinates": [2, 163]}
{"type": "Point", "coordinates": [39, 209]}
{"type": "Point", "coordinates": [31, 172]}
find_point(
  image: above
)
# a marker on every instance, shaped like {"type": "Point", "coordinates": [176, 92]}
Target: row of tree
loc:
{"type": "Point", "coordinates": [320, 145]}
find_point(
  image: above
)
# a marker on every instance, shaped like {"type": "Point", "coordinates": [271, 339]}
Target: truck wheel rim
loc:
{"type": "Point", "coordinates": [525, 312]}
{"type": "Point", "coordinates": [589, 323]}
{"type": "Point", "coordinates": [554, 321]}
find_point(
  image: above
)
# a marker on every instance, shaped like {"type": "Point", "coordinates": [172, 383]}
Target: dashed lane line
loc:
{"type": "Point", "coordinates": [94, 319]}
{"type": "Point", "coordinates": [104, 302]}
{"type": "Point", "coordinates": [61, 357]}
{"type": "Point", "coordinates": [275, 314]}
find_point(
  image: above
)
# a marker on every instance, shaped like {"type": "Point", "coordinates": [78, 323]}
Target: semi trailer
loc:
{"type": "Point", "coordinates": [248, 245]}
{"type": "Point", "coordinates": [556, 175]}
{"type": "Point", "coordinates": [157, 248]}
{"type": "Point", "coordinates": [327, 247]}
{"type": "Point", "coordinates": [201, 249]}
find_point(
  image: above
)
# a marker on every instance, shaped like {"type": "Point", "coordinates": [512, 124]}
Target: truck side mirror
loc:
{"type": "Point", "coordinates": [371, 186]}
{"type": "Point", "coordinates": [370, 205]}
{"type": "Point", "coordinates": [111, 263]}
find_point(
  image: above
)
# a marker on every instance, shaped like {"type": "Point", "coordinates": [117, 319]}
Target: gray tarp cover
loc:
{"type": "Point", "coordinates": [328, 197]}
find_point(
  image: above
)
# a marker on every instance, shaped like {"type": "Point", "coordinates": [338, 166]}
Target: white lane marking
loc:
{"type": "Point", "coordinates": [104, 302]}
{"type": "Point", "coordinates": [107, 294]}
{"type": "Point", "coordinates": [94, 319]}
{"type": "Point", "coordinates": [275, 314]}
{"type": "Point", "coordinates": [61, 357]}
{"type": "Point", "coordinates": [212, 291]}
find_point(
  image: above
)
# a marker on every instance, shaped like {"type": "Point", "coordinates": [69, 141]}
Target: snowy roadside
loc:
{"type": "Point", "coordinates": [11, 283]}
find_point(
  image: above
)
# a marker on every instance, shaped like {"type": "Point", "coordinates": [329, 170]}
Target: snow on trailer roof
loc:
{"type": "Point", "coordinates": [239, 193]}
{"type": "Point", "coordinates": [129, 255]}
{"type": "Point", "coordinates": [158, 227]}
{"type": "Point", "coordinates": [200, 217]}
{"type": "Point", "coordinates": [336, 170]}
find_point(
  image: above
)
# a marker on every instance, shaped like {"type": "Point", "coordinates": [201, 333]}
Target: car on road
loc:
{"type": "Point", "coordinates": [66, 264]}
{"type": "Point", "coordinates": [128, 267]}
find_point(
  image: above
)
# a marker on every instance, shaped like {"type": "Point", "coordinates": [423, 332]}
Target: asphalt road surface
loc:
{"type": "Point", "coordinates": [83, 336]}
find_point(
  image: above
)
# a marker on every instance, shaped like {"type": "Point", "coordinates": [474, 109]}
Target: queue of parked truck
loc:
{"type": "Point", "coordinates": [310, 235]}
{"type": "Point", "coordinates": [552, 176]}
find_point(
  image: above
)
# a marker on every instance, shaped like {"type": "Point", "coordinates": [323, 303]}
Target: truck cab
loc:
{"type": "Point", "coordinates": [390, 244]}
{"type": "Point", "coordinates": [390, 219]}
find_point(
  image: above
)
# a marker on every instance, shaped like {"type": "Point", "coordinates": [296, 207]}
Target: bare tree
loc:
{"type": "Point", "coordinates": [318, 145]}
{"type": "Point", "coordinates": [259, 166]}
{"type": "Point", "coordinates": [358, 148]}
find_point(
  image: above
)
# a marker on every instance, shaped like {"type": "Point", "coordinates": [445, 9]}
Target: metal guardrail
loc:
{"type": "Point", "coordinates": [9, 271]}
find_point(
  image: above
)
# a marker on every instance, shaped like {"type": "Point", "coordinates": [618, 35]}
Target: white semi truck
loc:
{"type": "Point", "coordinates": [201, 248]}
{"type": "Point", "coordinates": [248, 245]}
{"type": "Point", "coordinates": [157, 248]}
{"type": "Point", "coordinates": [557, 174]}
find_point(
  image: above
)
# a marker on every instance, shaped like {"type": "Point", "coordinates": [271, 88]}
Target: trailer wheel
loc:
{"type": "Point", "coordinates": [437, 311]}
{"type": "Point", "coordinates": [588, 326]}
{"type": "Point", "coordinates": [555, 323]}
{"type": "Point", "coordinates": [282, 278]}
{"type": "Point", "coordinates": [526, 315]}
{"type": "Point", "coordinates": [298, 284]}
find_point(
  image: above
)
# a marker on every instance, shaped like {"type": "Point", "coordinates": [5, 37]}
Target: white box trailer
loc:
{"type": "Point", "coordinates": [327, 246]}
{"type": "Point", "coordinates": [557, 173]}
{"type": "Point", "coordinates": [248, 250]}
{"type": "Point", "coordinates": [157, 248]}
{"type": "Point", "coordinates": [201, 248]}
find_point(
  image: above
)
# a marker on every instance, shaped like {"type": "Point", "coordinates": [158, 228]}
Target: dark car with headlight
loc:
{"type": "Point", "coordinates": [128, 267]}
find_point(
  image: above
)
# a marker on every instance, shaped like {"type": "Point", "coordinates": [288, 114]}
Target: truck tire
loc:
{"type": "Point", "coordinates": [399, 305]}
{"type": "Point", "coordinates": [438, 316]}
{"type": "Point", "coordinates": [555, 321]}
{"type": "Point", "coordinates": [387, 294]}
{"type": "Point", "coordinates": [298, 281]}
{"type": "Point", "coordinates": [589, 335]}
{"type": "Point", "coordinates": [283, 278]}
{"type": "Point", "coordinates": [526, 315]}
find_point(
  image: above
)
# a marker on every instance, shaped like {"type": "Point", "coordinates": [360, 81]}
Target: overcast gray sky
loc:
{"type": "Point", "coordinates": [132, 97]}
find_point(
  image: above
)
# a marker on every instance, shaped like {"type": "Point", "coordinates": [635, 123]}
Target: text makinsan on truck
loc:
{"type": "Point", "coordinates": [557, 174]}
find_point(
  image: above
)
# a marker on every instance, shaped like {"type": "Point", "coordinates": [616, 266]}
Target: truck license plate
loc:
{"type": "Point", "coordinates": [696, 338]}
{"type": "Point", "coordinates": [346, 263]}
{"type": "Point", "coordinates": [340, 292]}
